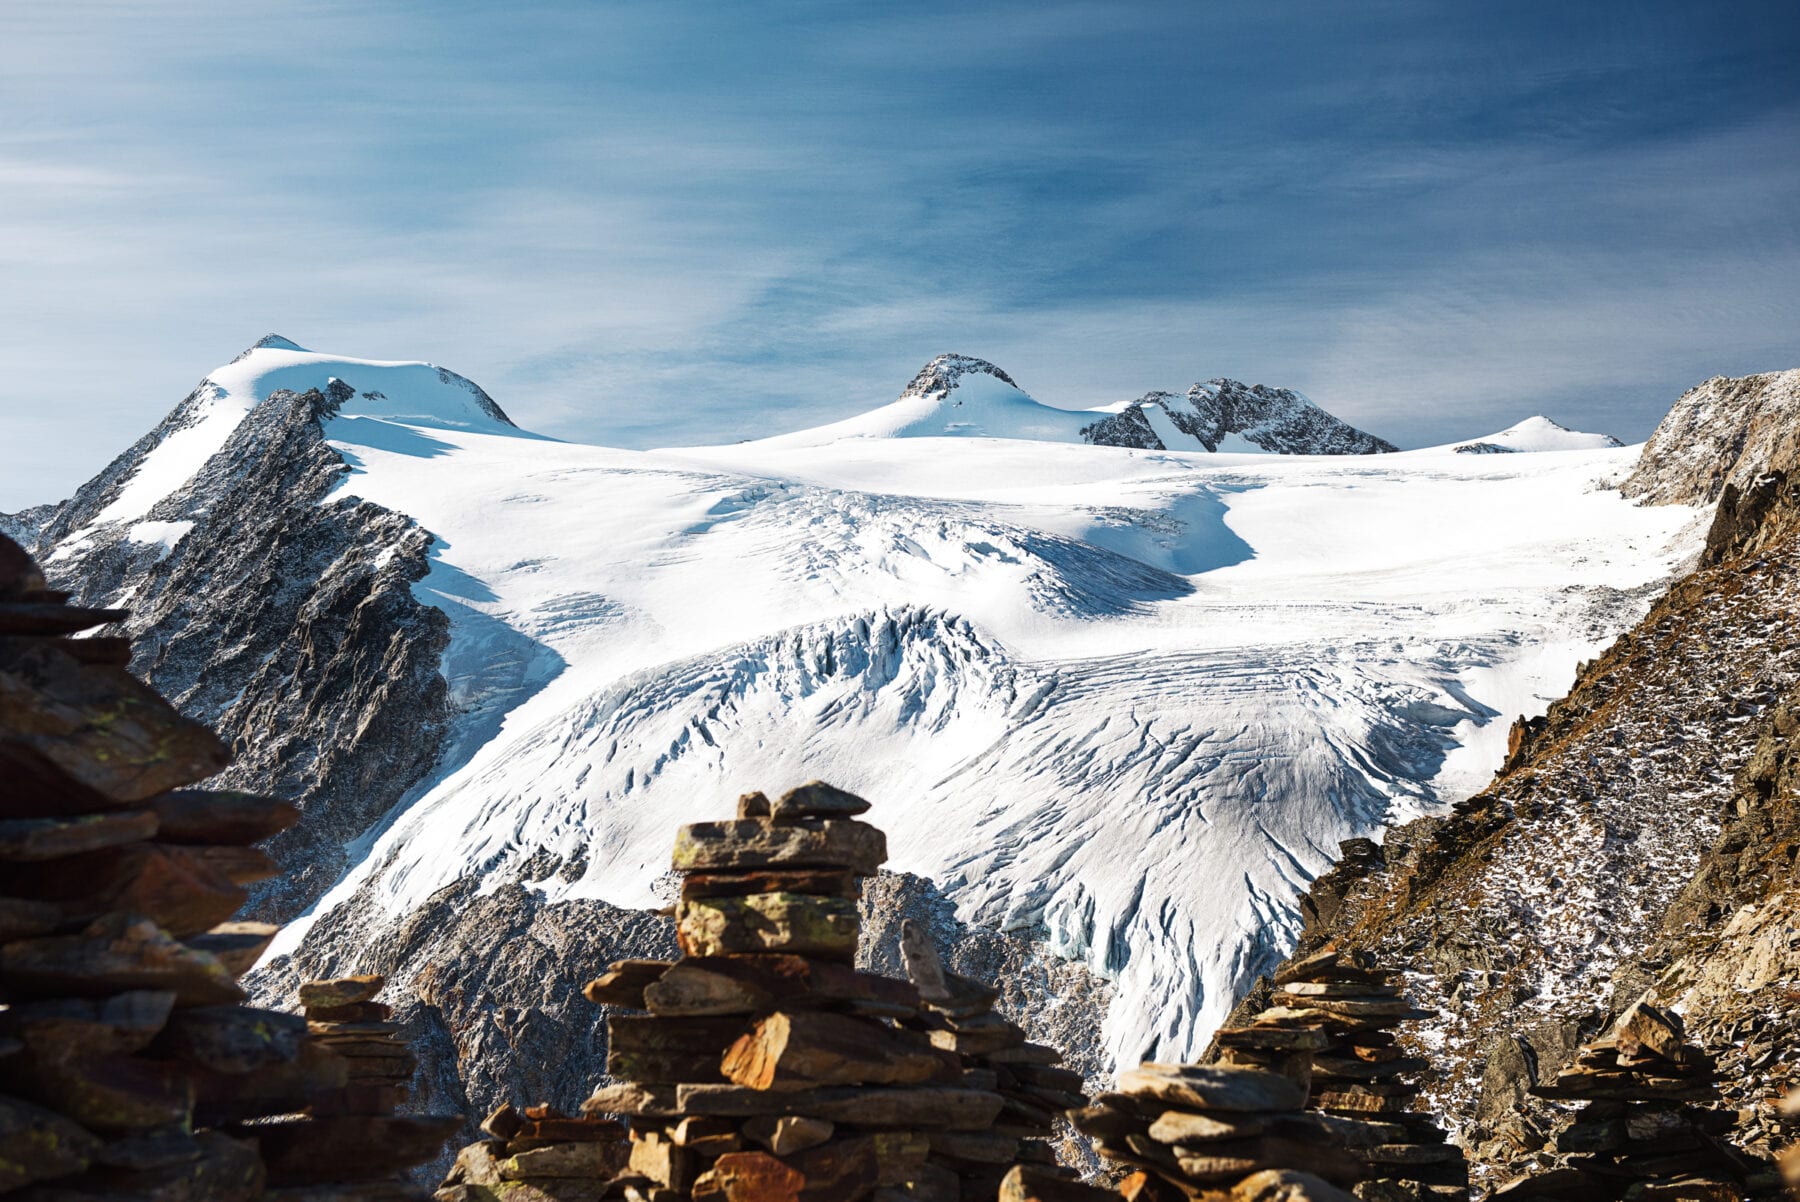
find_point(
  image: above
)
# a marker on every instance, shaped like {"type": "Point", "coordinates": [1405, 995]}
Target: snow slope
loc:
{"type": "Point", "coordinates": [1538, 434]}
{"type": "Point", "coordinates": [1127, 700]}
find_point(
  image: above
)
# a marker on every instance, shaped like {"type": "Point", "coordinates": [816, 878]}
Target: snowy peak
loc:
{"type": "Point", "coordinates": [1537, 434]}
{"type": "Point", "coordinates": [164, 461]}
{"type": "Point", "coordinates": [959, 396]}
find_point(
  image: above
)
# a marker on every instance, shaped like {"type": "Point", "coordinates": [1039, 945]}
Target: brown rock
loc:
{"type": "Point", "coordinates": [657, 1050]}
{"type": "Point", "coordinates": [232, 1039]}
{"type": "Point", "coordinates": [27, 618]}
{"type": "Point", "coordinates": [69, 1029]}
{"type": "Point", "coordinates": [760, 843]}
{"type": "Point", "coordinates": [840, 1171]}
{"type": "Point", "coordinates": [22, 918]}
{"type": "Point", "coordinates": [342, 991]}
{"type": "Point", "coordinates": [31, 839]}
{"type": "Point", "coordinates": [623, 983]}
{"type": "Point", "coordinates": [316, 1149]}
{"type": "Point", "coordinates": [816, 799]}
{"type": "Point", "coordinates": [768, 922]}
{"type": "Point", "coordinates": [807, 1049]}
{"type": "Point", "coordinates": [923, 1107]}
{"type": "Point", "coordinates": [597, 1160]}
{"type": "Point", "coordinates": [236, 945]}
{"type": "Point", "coordinates": [174, 887]}
{"type": "Point", "coordinates": [821, 882]}
{"type": "Point", "coordinates": [1212, 1087]}
{"type": "Point", "coordinates": [1148, 1187]}
{"type": "Point", "coordinates": [39, 1145]}
{"type": "Point", "coordinates": [112, 955]}
{"type": "Point", "coordinates": [82, 739]}
{"type": "Point", "coordinates": [1024, 1184]}
{"type": "Point", "coordinates": [1285, 1185]}
{"type": "Point", "coordinates": [745, 984]}
{"type": "Point", "coordinates": [205, 816]}
{"type": "Point", "coordinates": [1181, 1127]}
{"type": "Point", "coordinates": [787, 1133]}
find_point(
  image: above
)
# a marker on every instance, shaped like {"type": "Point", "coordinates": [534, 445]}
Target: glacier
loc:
{"type": "Point", "coordinates": [1127, 701]}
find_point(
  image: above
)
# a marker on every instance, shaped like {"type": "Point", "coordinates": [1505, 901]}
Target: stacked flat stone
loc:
{"type": "Point", "coordinates": [540, 1155]}
{"type": "Point", "coordinates": [995, 1054]}
{"type": "Point", "coordinates": [343, 1015]}
{"type": "Point", "coordinates": [1218, 1132]}
{"type": "Point", "coordinates": [1331, 1029]}
{"type": "Point", "coordinates": [129, 1067]}
{"type": "Point", "coordinates": [1645, 1129]}
{"type": "Point", "coordinates": [768, 1067]}
{"type": "Point", "coordinates": [1790, 1156]}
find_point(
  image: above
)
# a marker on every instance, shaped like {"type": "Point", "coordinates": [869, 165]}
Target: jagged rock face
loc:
{"type": "Point", "coordinates": [1640, 836]}
{"type": "Point", "coordinates": [1275, 419]}
{"type": "Point", "coordinates": [284, 619]}
{"type": "Point", "coordinates": [940, 377]}
{"type": "Point", "coordinates": [24, 526]}
{"type": "Point", "coordinates": [1726, 431]}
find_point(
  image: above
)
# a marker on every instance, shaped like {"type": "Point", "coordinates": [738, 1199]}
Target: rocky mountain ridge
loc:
{"type": "Point", "coordinates": [1219, 414]}
{"type": "Point", "coordinates": [1639, 843]}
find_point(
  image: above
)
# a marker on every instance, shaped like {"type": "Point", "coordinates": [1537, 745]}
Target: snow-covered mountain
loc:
{"type": "Point", "coordinates": [1121, 703]}
{"type": "Point", "coordinates": [955, 396]}
{"type": "Point", "coordinates": [1537, 434]}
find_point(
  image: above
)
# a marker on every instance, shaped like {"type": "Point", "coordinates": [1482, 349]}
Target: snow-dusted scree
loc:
{"type": "Point", "coordinates": [1123, 699]}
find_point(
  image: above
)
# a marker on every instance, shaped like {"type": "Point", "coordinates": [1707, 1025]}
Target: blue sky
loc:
{"type": "Point", "coordinates": [657, 223]}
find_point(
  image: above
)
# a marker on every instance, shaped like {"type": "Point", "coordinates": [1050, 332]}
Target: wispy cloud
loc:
{"type": "Point", "coordinates": [652, 224]}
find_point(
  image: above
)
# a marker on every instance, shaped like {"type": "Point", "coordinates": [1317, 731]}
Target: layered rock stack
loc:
{"type": "Point", "coordinates": [129, 1067]}
{"type": "Point", "coordinates": [1644, 1129]}
{"type": "Point", "coordinates": [1790, 1156]}
{"type": "Point", "coordinates": [768, 1067]}
{"type": "Point", "coordinates": [540, 1155]}
{"type": "Point", "coordinates": [996, 1054]}
{"type": "Point", "coordinates": [1226, 1133]}
{"type": "Point", "coordinates": [1331, 1030]}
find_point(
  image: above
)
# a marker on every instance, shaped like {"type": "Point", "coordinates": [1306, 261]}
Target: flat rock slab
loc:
{"type": "Point", "coordinates": [220, 817]}
{"type": "Point", "coordinates": [762, 843]}
{"type": "Point", "coordinates": [748, 984]}
{"type": "Point", "coordinates": [768, 922]}
{"type": "Point", "coordinates": [1212, 1087]}
{"type": "Point", "coordinates": [114, 955]}
{"type": "Point", "coordinates": [341, 991]}
{"type": "Point", "coordinates": [807, 1049]}
{"type": "Point", "coordinates": [40, 1145]}
{"type": "Point", "coordinates": [31, 839]}
{"type": "Point", "coordinates": [925, 1107]}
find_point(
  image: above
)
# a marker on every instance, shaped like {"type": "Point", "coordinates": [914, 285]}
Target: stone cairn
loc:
{"type": "Point", "coordinates": [1643, 1129]}
{"type": "Point", "coordinates": [769, 1068]}
{"type": "Point", "coordinates": [1331, 1029]}
{"type": "Point", "coordinates": [540, 1155]}
{"type": "Point", "coordinates": [129, 1065]}
{"type": "Point", "coordinates": [1224, 1134]}
{"type": "Point", "coordinates": [995, 1055]}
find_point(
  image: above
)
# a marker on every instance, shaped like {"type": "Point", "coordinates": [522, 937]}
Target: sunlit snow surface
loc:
{"type": "Point", "coordinates": [1130, 700]}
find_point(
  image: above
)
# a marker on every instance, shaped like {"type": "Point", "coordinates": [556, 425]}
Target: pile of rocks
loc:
{"type": "Point", "coordinates": [1218, 1131]}
{"type": "Point", "coordinates": [995, 1054]}
{"type": "Point", "coordinates": [343, 1015]}
{"type": "Point", "coordinates": [540, 1155]}
{"type": "Point", "coordinates": [768, 1067]}
{"type": "Point", "coordinates": [1331, 1030]}
{"type": "Point", "coordinates": [1643, 1130]}
{"type": "Point", "coordinates": [129, 1067]}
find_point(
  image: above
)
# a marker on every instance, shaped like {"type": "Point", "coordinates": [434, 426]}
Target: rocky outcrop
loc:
{"type": "Point", "coordinates": [1725, 431]}
{"type": "Point", "coordinates": [1640, 837]}
{"type": "Point", "coordinates": [130, 1067]}
{"type": "Point", "coordinates": [283, 617]}
{"type": "Point", "coordinates": [939, 378]}
{"type": "Point", "coordinates": [1278, 420]}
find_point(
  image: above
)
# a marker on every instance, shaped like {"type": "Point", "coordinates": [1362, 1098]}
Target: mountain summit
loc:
{"type": "Point", "coordinates": [959, 396]}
